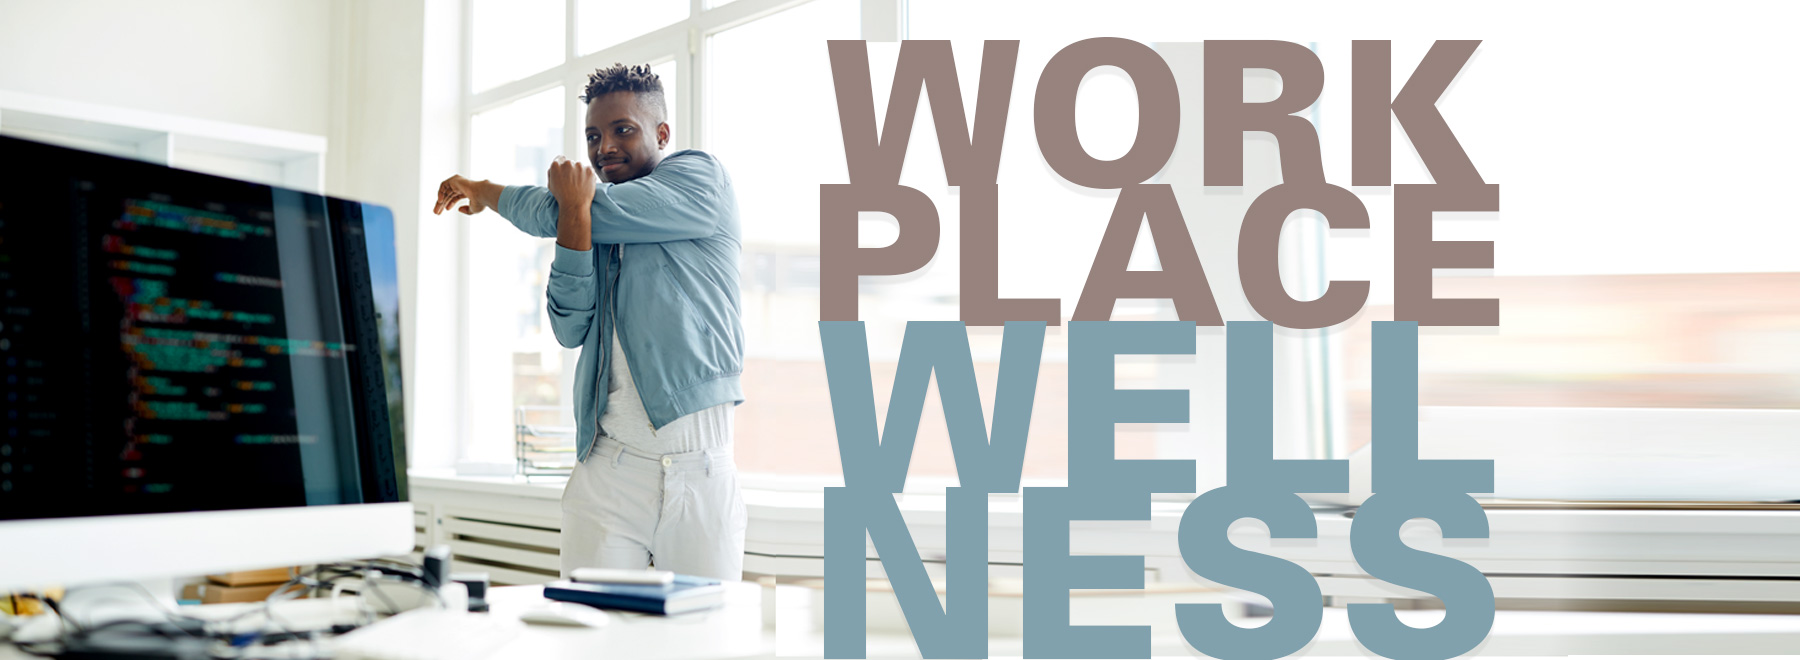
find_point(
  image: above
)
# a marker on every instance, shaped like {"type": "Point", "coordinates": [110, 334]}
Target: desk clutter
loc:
{"type": "Point", "coordinates": [241, 586]}
{"type": "Point", "coordinates": [386, 610]}
{"type": "Point", "coordinates": [284, 612]}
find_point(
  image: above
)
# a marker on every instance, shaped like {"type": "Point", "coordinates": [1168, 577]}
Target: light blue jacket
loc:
{"type": "Point", "coordinates": [665, 265]}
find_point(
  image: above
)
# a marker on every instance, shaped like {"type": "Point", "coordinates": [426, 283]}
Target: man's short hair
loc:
{"type": "Point", "coordinates": [636, 78]}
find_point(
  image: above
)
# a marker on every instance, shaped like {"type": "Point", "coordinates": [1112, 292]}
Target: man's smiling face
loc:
{"type": "Point", "coordinates": [625, 138]}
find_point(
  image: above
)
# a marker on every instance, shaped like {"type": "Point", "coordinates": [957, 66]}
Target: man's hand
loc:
{"type": "Point", "coordinates": [571, 182]}
{"type": "Point", "coordinates": [480, 194]}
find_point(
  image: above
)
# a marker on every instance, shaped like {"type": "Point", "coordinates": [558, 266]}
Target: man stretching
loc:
{"type": "Point", "coordinates": [645, 281]}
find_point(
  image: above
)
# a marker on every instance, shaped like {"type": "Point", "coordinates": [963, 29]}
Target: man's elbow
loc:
{"type": "Point", "coordinates": [570, 325]}
{"type": "Point", "coordinates": [570, 337]}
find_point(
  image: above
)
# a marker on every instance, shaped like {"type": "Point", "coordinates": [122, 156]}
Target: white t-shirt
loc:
{"type": "Point", "coordinates": [626, 421]}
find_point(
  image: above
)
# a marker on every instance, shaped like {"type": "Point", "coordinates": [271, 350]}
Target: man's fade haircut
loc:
{"type": "Point", "coordinates": [637, 78]}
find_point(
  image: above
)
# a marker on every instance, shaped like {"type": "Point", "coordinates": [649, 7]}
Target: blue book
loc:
{"type": "Point", "coordinates": [685, 594]}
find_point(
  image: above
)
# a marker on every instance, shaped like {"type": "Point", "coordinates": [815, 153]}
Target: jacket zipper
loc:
{"type": "Point", "coordinates": [605, 368]}
{"type": "Point", "coordinates": [613, 314]}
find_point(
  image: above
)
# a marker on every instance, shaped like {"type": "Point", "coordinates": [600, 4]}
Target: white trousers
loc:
{"type": "Point", "coordinates": [678, 512]}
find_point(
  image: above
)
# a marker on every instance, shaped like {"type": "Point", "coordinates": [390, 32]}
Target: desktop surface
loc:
{"type": "Point", "coordinates": [732, 631]}
{"type": "Point", "coordinates": [737, 631]}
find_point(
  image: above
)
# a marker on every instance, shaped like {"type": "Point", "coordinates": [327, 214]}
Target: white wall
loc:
{"type": "Point", "coordinates": [261, 63]}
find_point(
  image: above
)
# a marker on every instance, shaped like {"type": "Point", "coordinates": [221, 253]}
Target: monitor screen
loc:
{"type": "Point", "coordinates": [174, 341]}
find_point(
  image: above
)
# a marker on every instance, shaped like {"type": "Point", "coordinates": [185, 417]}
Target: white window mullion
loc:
{"type": "Point", "coordinates": [684, 91]}
{"type": "Point", "coordinates": [574, 113]}
{"type": "Point", "coordinates": [507, 93]}
{"type": "Point", "coordinates": [574, 123]}
{"type": "Point", "coordinates": [463, 348]}
{"type": "Point", "coordinates": [738, 13]}
{"type": "Point", "coordinates": [881, 20]}
{"type": "Point", "coordinates": [571, 30]}
{"type": "Point", "coordinates": [655, 46]}
{"type": "Point", "coordinates": [694, 78]}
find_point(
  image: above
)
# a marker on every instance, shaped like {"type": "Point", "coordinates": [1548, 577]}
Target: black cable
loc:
{"type": "Point", "coordinates": [280, 594]}
{"type": "Point", "coordinates": [314, 581]}
{"type": "Point", "coordinates": [323, 576]}
{"type": "Point", "coordinates": [63, 621]}
{"type": "Point", "coordinates": [371, 586]}
{"type": "Point", "coordinates": [29, 648]}
{"type": "Point", "coordinates": [172, 615]}
{"type": "Point", "coordinates": [175, 620]}
{"type": "Point", "coordinates": [216, 631]}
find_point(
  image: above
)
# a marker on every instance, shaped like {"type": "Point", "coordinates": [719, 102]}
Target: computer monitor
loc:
{"type": "Point", "coordinates": [197, 374]}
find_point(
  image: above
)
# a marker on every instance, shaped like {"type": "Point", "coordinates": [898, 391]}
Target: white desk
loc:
{"type": "Point", "coordinates": [1515, 634]}
{"type": "Point", "coordinates": [736, 631]}
{"type": "Point", "coordinates": [730, 632]}
{"type": "Point", "coordinates": [733, 631]}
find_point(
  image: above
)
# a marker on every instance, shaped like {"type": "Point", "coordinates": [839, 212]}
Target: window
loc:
{"type": "Point", "coordinates": [786, 429]}
{"type": "Point", "coordinates": [512, 357]}
{"type": "Point", "coordinates": [778, 154]}
{"type": "Point", "coordinates": [1693, 340]}
{"type": "Point", "coordinates": [522, 111]}
{"type": "Point", "coordinates": [1672, 289]}
{"type": "Point", "coordinates": [1605, 303]}
{"type": "Point", "coordinates": [605, 23]}
{"type": "Point", "coordinates": [514, 39]}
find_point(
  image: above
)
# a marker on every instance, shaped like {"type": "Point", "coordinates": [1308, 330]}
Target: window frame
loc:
{"type": "Point", "coordinates": [684, 43]}
{"type": "Point", "coordinates": [1308, 356]}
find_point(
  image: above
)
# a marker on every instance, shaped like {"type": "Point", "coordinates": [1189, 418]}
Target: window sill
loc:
{"type": "Point", "coordinates": [791, 503]}
{"type": "Point", "coordinates": [1651, 555]}
{"type": "Point", "coordinates": [447, 479]}
{"type": "Point", "coordinates": [1006, 511]}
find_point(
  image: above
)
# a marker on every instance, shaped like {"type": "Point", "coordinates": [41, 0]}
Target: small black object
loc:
{"type": "Point", "coordinates": [437, 566]}
{"type": "Point", "coordinates": [478, 586]}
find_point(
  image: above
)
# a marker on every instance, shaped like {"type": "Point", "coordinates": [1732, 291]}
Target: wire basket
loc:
{"type": "Point", "coordinates": [542, 447]}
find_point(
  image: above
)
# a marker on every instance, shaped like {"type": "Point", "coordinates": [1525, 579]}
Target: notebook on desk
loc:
{"type": "Point", "coordinates": [685, 594]}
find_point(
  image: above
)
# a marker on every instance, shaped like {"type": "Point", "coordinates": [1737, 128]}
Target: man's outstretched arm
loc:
{"type": "Point", "coordinates": [480, 195]}
{"type": "Point", "coordinates": [682, 199]}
